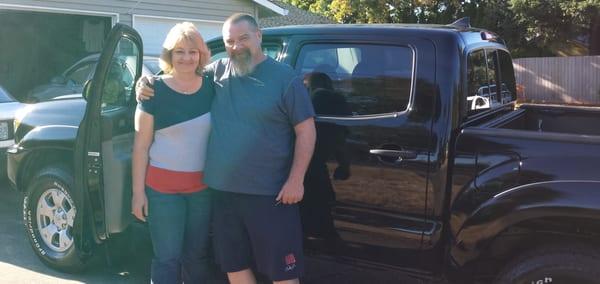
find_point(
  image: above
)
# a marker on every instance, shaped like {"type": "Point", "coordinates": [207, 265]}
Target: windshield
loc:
{"type": "Point", "coordinates": [5, 97]}
{"type": "Point", "coordinates": [152, 65]}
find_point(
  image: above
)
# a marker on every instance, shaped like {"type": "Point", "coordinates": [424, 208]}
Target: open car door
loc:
{"type": "Point", "coordinates": [105, 138]}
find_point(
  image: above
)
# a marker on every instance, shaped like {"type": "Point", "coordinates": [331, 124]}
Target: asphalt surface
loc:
{"type": "Point", "coordinates": [19, 264]}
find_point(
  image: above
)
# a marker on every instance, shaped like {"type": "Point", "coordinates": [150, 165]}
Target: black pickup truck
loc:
{"type": "Point", "coordinates": [449, 177]}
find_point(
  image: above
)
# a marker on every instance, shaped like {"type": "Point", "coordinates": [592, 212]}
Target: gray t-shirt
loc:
{"type": "Point", "coordinates": [251, 146]}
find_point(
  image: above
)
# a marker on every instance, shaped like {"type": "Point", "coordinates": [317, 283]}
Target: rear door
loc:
{"type": "Point", "coordinates": [105, 138]}
{"type": "Point", "coordinates": [379, 170]}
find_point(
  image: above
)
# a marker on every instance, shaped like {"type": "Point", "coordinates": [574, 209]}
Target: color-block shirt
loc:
{"type": "Point", "coordinates": [182, 125]}
{"type": "Point", "coordinates": [251, 146]}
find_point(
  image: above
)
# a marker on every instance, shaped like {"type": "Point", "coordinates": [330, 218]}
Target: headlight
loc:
{"type": "Point", "coordinates": [16, 123]}
{"type": "Point", "coordinates": [4, 131]}
{"type": "Point", "coordinates": [19, 115]}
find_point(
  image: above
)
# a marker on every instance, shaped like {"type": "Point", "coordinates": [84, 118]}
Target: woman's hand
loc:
{"type": "Point", "coordinates": [144, 88]}
{"type": "Point", "coordinates": [139, 206]}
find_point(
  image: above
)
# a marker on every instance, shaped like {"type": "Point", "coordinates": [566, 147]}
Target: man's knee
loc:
{"type": "Point", "coordinates": [242, 277]}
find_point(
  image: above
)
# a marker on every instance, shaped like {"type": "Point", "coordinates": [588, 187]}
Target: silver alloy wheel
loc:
{"type": "Point", "coordinates": [55, 215]}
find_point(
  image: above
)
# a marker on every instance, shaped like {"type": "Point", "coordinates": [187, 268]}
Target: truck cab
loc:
{"type": "Point", "coordinates": [443, 174]}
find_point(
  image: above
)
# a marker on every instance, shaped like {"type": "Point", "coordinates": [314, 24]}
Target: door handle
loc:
{"type": "Point", "coordinates": [399, 155]}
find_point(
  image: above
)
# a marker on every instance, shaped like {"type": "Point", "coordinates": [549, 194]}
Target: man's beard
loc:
{"type": "Point", "coordinates": [241, 63]}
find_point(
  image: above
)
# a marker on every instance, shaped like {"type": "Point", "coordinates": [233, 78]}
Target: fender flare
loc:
{"type": "Point", "coordinates": [51, 136]}
{"type": "Point", "coordinates": [566, 198]}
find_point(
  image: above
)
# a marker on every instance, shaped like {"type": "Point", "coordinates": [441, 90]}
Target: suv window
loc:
{"type": "Point", "coordinates": [373, 79]}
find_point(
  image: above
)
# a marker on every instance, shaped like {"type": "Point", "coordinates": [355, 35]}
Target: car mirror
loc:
{"type": "Point", "coordinates": [86, 89]}
{"type": "Point", "coordinates": [58, 80]}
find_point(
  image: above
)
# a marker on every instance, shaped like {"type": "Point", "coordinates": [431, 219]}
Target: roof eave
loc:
{"type": "Point", "coordinates": [269, 5]}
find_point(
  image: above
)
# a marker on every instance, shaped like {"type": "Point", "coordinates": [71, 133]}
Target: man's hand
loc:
{"type": "Point", "coordinates": [291, 193]}
{"type": "Point", "coordinates": [139, 206]}
{"type": "Point", "coordinates": [144, 88]}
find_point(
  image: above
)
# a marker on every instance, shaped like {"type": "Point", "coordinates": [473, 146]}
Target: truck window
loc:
{"type": "Point", "coordinates": [507, 77]}
{"type": "Point", "coordinates": [271, 49]}
{"type": "Point", "coordinates": [373, 79]}
{"type": "Point", "coordinates": [483, 76]}
{"type": "Point", "coordinates": [81, 73]}
{"type": "Point", "coordinates": [492, 66]}
{"type": "Point", "coordinates": [118, 84]}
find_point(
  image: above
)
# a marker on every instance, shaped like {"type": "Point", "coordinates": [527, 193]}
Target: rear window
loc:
{"type": "Point", "coordinates": [490, 80]}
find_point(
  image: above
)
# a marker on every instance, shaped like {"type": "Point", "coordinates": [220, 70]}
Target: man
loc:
{"type": "Point", "coordinates": [261, 143]}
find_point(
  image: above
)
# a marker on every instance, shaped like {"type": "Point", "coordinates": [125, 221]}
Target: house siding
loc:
{"type": "Point", "coordinates": [212, 10]}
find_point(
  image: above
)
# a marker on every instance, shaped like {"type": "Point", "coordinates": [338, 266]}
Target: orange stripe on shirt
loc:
{"type": "Point", "coordinates": [167, 181]}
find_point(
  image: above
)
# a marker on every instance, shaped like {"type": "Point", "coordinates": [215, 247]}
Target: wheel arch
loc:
{"type": "Point", "coordinates": [538, 207]}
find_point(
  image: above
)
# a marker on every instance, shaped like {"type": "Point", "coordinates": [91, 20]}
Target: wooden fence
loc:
{"type": "Point", "coordinates": [562, 80]}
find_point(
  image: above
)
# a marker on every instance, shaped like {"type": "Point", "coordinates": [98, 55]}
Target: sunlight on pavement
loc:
{"type": "Point", "coordinates": [14, 274]}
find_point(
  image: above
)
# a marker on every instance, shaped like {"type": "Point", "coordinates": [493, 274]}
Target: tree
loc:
{"type": "Point", "coordinates": [530, 27]}
{"type": "Point", "coordinates": [545, 21]}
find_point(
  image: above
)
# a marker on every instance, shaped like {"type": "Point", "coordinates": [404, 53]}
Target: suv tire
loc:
{"type": "Point", "coordinates": [554, 264]}
{"type": "Point", "coordinates": [49, 212]}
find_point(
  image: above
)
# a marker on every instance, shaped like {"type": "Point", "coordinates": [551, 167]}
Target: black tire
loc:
{"type": "Point", "coordinates": [48, 225]}
{"type": "Point", "coordinates": [567, 263]}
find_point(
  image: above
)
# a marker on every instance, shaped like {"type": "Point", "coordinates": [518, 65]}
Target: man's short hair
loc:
{"type": "Point", "coordinates": [239, 17]}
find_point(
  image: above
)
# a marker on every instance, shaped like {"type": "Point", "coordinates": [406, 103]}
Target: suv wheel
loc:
{"type": "Point", "coordinates": [554, 264]}
{"type": "Point", "coordinates": [49, 212]}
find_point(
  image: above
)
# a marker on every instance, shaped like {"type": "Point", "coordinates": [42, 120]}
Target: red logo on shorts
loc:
{"type": "Point", "coordinates": [290, 262]}
{"type": "Point", "coordinates": [290, 259]}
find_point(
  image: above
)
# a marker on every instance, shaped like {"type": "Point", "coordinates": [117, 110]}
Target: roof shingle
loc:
{"type": "Point", "coordinates": [295, 16]}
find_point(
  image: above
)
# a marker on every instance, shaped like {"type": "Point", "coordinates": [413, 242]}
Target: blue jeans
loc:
{"type": "Point", "coordinates": [179, 227]}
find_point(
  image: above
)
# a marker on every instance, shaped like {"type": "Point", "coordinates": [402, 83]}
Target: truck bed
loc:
{"type": "Point", "coordinates": [552, 119]}
{"type": "Point", "coordinates": [535, 143]}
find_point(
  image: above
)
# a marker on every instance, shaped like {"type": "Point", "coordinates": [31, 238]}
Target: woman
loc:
{"type": "Point", "coordinates": [168, 158]}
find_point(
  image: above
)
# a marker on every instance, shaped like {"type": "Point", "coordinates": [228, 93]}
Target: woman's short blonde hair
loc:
{"type": "Point", "coordinates": [184, 31]}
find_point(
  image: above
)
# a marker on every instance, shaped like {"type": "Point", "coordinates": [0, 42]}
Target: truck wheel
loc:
{"type": "Point", "coordinates": [554, 264]}
{"type": "Point", "coordinates": [49, 212]}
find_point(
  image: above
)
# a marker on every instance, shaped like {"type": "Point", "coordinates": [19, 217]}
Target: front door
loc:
{"type": "Point", "coordinates": [372, 153]}
{"type": "Point", "coordinates": [105, 137]}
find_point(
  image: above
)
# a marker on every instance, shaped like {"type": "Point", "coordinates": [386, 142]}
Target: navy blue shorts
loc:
{"type": "Point", "coordinates": [253, 231]}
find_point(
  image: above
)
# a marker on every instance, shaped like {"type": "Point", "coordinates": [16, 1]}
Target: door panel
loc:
{"type": "Point", "coordinates": [105, 138]}
{"type": "Point", "coordinates": [372, 151]}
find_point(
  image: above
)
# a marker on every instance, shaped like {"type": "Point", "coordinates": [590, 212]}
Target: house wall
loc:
{"type": "Point", "coordinates": [123, 10]}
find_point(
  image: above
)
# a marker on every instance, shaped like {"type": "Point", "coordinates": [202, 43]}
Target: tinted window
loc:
{"type": "Point", "coordinates": [477, 82]}
{"type": "Point", "coordinates": [81, 73]}
{"type": "Point", "coordinates": [152, 65]}
{"type": "Point", "coordinates": [118, 84]}
{"type": "Point", "coordinates": [484, 73]}
{"type": "Point", "coordinates": [373, 79]}
{"type": "Point", "coordinates": [271, 50]}
{"type": "Point", "coordinates": [492, 66]}
{"type": "Point", "coordinates": [4, 96]}
{"type": "Point", "coordinates": [507, 77]}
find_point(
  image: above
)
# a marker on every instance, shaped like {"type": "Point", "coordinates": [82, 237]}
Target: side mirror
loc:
{"type": "Point", "coordinates": [86, 89]}
{"type": "Point", "coordinates": [58, 80]}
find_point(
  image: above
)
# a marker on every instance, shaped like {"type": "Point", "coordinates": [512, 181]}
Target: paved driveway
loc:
{"type": "Point", "coordinates": [19, 265]}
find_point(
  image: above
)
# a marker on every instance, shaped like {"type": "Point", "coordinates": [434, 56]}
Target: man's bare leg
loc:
{"type": "Point", "coordinates": [241, 277]}
{"type": "Point", "coordinates": [293, 281]}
